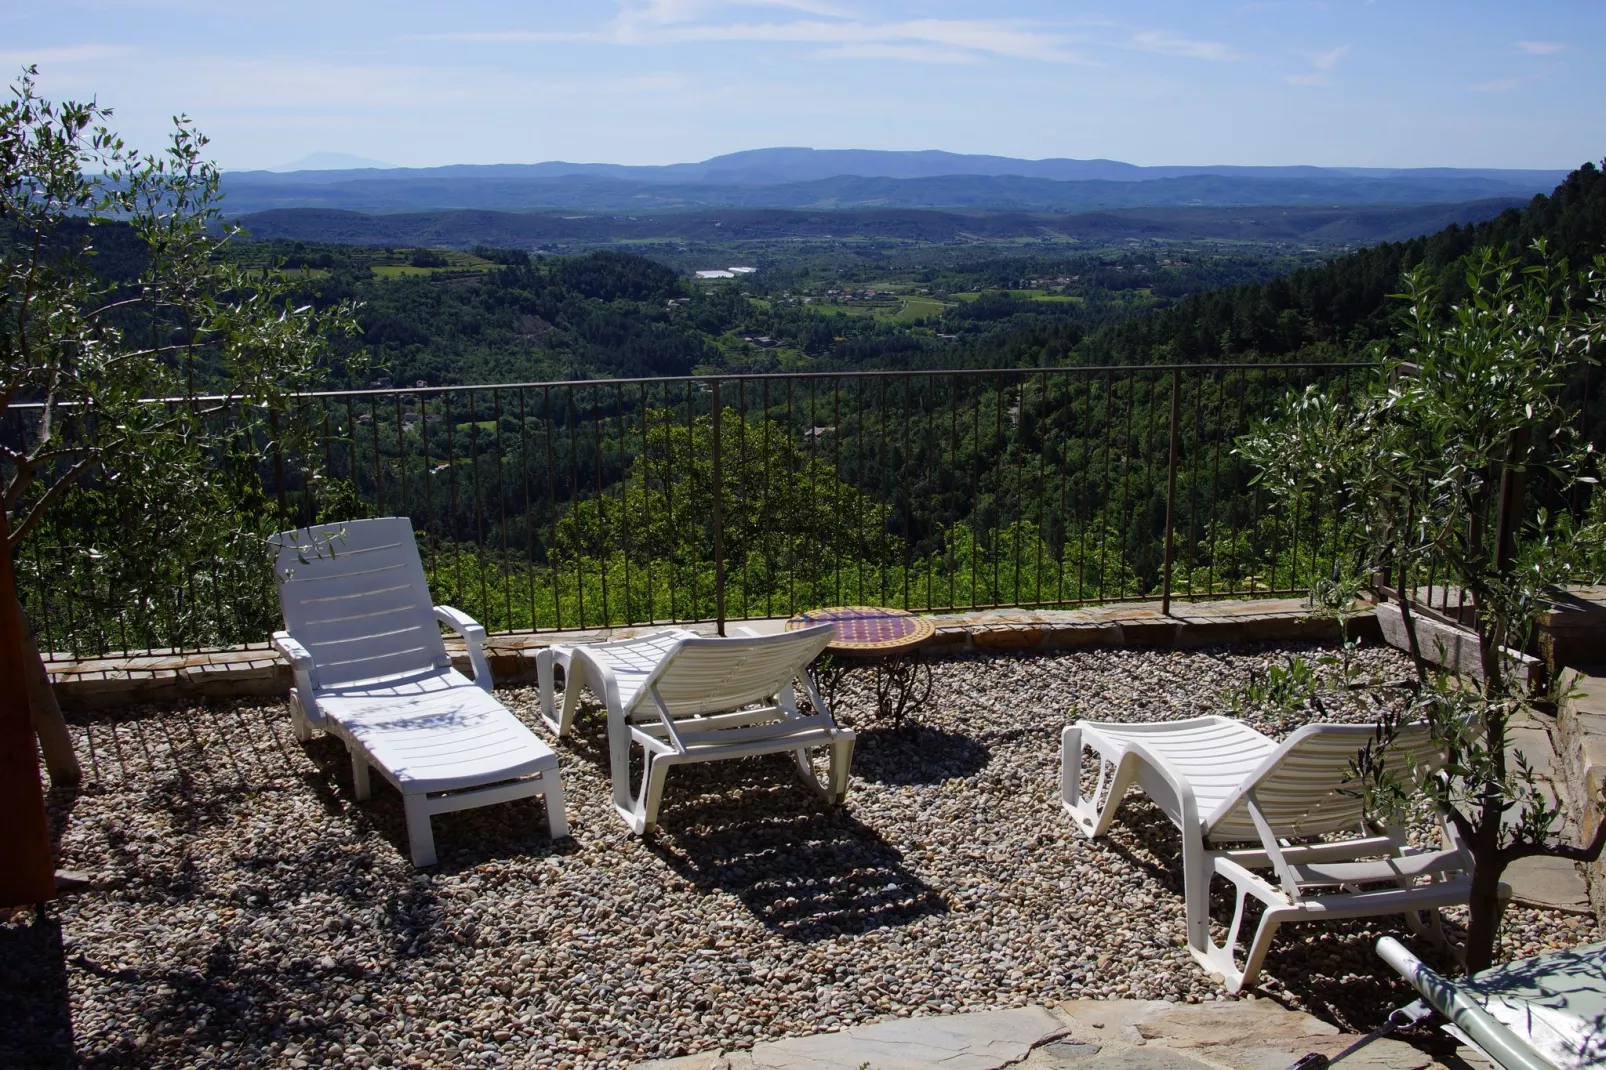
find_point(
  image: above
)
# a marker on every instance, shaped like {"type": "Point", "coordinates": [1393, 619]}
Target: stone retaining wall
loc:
{"type": "Point", "coordinates": [1581, 750]}
{"type": "Point", "coordinates": [117, 680]}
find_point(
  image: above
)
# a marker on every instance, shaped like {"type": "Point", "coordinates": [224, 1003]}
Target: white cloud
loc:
{"type": "Point", "coordinates": [904, 53]}
{"type": "Point", "coordinates": [71, 54]}
{"type": "Point", "coordinates": [660, 22]}
{"type": "Point", "coordinates": [1326, 61]}
{"type": "Point", "coordinates": [1499, 85]}
{"type": "Point", "coordinates": [1166, 43]}
{"type": "Point", "coordinates": [1539, 48]}
{"type": "Point", "coordinates": [672, 11]}
{"type": "Point", "coordinates": [1323, 64]}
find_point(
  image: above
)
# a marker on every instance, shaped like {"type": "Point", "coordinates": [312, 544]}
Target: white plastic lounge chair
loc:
{"type": "Point", "coordinates": [685, 698]}
{"type": "Point", "coordinates": [1224, 783]}
{"type": "Point", "coordinates": [1547, 1012]}
{"type": "Point", "coordinates": [370, 669]}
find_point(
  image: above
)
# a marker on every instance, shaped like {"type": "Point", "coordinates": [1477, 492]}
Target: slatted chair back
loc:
{"type": "Point", "coordinates": [1303, 788]}
{"type": "Point", "coordinates": [702, 676]}
{"type": "Point", "coordinates": [355, 596]}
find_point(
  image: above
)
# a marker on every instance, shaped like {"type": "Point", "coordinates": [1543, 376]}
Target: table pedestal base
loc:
{"type": "Point", "coordinates": [902, 680]}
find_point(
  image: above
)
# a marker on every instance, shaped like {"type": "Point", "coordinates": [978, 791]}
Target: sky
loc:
{"type": "Point", "coordinates": [1393, 83]}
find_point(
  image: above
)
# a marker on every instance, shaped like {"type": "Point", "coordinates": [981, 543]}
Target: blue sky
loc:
{"type": "Point", "coordinates": [1390, 83]}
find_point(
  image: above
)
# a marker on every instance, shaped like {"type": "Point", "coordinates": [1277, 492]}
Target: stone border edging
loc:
{"type": "Point", "coordinates": [117, 680]}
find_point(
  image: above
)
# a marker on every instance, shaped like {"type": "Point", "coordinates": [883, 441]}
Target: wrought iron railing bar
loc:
{"type": "Point", "coordinates": [975, 492]}
{"type": "Point", "coordinates": [529, 508]}
{"type": "Point", "coordinates": [907, 466]}
{"type": "Point", "coordinates": [501, 506]}
{"type": "Point", "coordinates": [624, 498]}
{"type": "Point", "coordinates": [742, 470]}
{"type": "Point", "coordinates": [602, 498]}
{"type": "Point", "coordinates": [646, 494]}
{"type": "Point", "coordinates": [1070, 369]}
{"type": "Point", "coordinates": [900, 484]}
{"type": "Point", "coordinates": [451, 484]}
{"type": "Point", "coordinates": [836, 466]}
{"type": "Point", "coordinates": [479, 499]}
{"type": "Point", "coordinates": [552, 511]}
{"type": "Point", "coordinates": [569, 418]}
{"type": "Point", "coordinates": [1242, 428]}
{"type": "Point", "coordinates": [1193, 482]}
{"type": "Point", "coordinates": [691, 466]}
{"type": "Point", "coordinates": [1104, 495]}
{"type": "Point", "coordinates": [401, 457]}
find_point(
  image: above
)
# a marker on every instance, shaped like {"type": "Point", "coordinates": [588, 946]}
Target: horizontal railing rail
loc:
{"type": "Point", "coordinates": [579, 504]}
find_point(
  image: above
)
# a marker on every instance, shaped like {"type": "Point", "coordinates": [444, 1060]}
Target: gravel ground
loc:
{"type": "Point", "coordinates": [245, 912]}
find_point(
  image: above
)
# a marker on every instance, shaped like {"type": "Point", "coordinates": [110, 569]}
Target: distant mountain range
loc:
{"type": "Point", "coordinates": [465, 228]}
{"type": "Point", "coordinates": [332, 161]}
{"type": "Point", "coordinates": [794, 178]}
{"type": "Point", "coordinates": [768, 167]}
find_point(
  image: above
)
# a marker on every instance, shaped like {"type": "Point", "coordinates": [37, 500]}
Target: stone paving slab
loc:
{"type": "Point", "coordinates": [1248, 1034]}
{"type": "Point", "coordinates": [1077, 1035]}
{"type": "Point", "coordinates": [986, 1040]}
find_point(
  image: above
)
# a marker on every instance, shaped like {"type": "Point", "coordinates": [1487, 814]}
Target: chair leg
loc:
{"type": "Point", "coordinates": [420, 837]}
{"type": "Point", "coordinates": [1095, 813]}
{"type": "Point", "coordinates": [359, 774]}
{"type": "Point", "coordinates": [1071, 767]}
{"type": "Point", "coordinates": [574, 681]}
{"type": "Point", "coordinates": [299, 725]}
{"type": "Point", "coordinates": [557, 820]}
{"type": "Point", "coordinates": [652, 791]}
{"type": "Point", "coordinates": [543, 677]}
{"type": "Point", "coordinates": [1270, 921]}
{"type": "Point", "coordinates": [841, 765]}
{"type": "Point", "coordinates": [1222, 958]}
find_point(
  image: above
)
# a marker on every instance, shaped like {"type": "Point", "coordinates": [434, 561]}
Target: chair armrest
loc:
{"type": "Point", "coordinates": [299, 657]}
{"type": "Point", "coordinates": [473, 633]}
{"type": "Point", "coordinates": [460, 622]}
{"type": "Point", "coordinates": [302, 665]}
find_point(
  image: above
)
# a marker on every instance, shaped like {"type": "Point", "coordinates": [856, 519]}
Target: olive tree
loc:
{"type": "Point", "coordinates": [1433, 464]}
{"type": "Point", "coordinates": [115, 288]}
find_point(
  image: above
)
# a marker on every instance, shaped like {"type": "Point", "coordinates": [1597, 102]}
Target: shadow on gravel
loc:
{"type": "Point", "coordinates": [1326, 968]}
{"type": "Point", "coordinates": [916, 754]}
{"type": "Point", "coordinates": [33, 990]}
{"type": "Point", "coordinates": [807, 876]}
{"type": "Point", "coordinates": [463, 839]}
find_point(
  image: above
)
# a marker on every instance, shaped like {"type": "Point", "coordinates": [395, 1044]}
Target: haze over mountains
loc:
{"type": "Point", "coordinates": [800, 178]}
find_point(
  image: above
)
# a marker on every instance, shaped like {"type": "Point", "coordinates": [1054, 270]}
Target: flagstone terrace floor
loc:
{"type": "Point", "coordinates": [243, 910]}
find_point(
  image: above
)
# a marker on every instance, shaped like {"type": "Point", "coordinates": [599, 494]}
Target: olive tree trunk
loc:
{"type": "Point", "coordinates": [48, 724]}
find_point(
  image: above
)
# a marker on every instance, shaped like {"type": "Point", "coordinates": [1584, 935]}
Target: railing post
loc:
{"type": "Point", "coordinates": [1171, 492]}
{"type": "Point", "coordinates": [278, 459]}
{"type": "Point", "coordinates": [719, 514]}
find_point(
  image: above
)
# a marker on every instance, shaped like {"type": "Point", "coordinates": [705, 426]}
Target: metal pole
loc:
{"type": "Point", "coordinates": [1171, 492]}
{"type": "Point", "coordinates": [719, 517]}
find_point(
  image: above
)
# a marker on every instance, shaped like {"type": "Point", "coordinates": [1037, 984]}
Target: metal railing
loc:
{"type": "Point", "coordinates": [574, 505]}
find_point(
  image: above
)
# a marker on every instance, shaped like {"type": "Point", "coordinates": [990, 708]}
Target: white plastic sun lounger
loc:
{"type": "Point", "coordinates": [370, 668]}
{"type": "Point", "coordinates": [1223, 783]}
{"type": "Point", "coordinates": [683, 698]}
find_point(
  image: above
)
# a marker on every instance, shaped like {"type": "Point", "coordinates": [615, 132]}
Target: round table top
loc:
{"type": "Point", "coordinates": [868, 629]}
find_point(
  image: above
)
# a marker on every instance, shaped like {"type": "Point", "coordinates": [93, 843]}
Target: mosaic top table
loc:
{"type": "Point", "coordinates": [891, 638]}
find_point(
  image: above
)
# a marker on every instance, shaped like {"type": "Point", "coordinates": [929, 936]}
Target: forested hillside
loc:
{"type": "Point", "coordinates": [1342, 306]}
